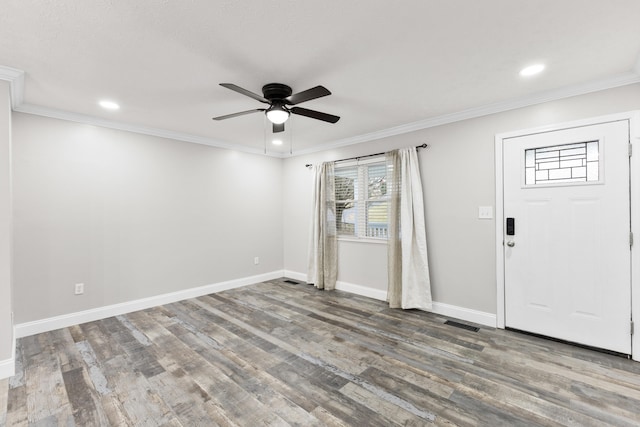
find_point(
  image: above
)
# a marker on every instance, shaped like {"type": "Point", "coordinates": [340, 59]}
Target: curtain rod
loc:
{"type": "Point", "coordinates": [363, 157]}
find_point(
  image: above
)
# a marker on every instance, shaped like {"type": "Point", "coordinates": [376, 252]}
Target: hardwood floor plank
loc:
{"type": "Point", "coordinates": [252, 379]}
{"type": "Point", "coordinates": [17, 406]}
{"type": "Point", "coordinates": [193, 355]}
{"type": "Point", "coordinates": [140, 402]}
{"type": "Point", "coordinates": [178, 393]}
{"type": "Point", "coordinates": [85, 411]}
{"type": "Point", "coordinates": [177, 358]}
{"type": "Point", "coordinates": [96, 374]}
{"type": "Point", "coordinates": [47, 400]}
{"type": "Point", "coordinates": [330, 378]}
{"type": "Point", "coordinates": [134, 399]}
{"type": "Point", "coordinates": [328, 398]}
{"type": "Point", "coordinates": [533, 407]}
{"type": "Point", "coordinates": [291, 355]}
{"type": "Point", "coordinates": [327, 418]}
{"type": "Point", "coordinates": [4, 400]}
{"type": "Point", "coordinates": [17, 379]}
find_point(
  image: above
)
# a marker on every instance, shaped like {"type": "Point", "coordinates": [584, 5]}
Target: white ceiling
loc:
{"type": "Point", "coordinates": [392, 66]}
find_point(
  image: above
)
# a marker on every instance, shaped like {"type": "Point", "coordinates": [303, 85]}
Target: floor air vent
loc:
{"type": "Point", "coordinates": [293, 282]}
{"type": "Point", "coordinates": [462, 326]}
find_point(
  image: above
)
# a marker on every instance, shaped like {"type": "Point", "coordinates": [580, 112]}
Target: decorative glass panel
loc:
{"type": "Point", "coordinates": [577, 162]}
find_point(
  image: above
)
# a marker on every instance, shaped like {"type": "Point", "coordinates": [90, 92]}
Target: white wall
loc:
{"type": "Point", "coordinates": [458, 176]}
{"type": "Point", "coordinates": [6, 325]}
{"type": "Point", "coordinates": [133, 216]}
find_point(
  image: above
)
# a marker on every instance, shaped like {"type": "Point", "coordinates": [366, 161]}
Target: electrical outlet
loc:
{"type": "Point", "coordinates": [485, 212]}
{"type": "Point", "coordinates": [79, 290]}
{"type": "Point", "coordinates": [256, 260]}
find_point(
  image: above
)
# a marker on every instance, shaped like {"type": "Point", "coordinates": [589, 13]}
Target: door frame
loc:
{"type": "Point", "coordinates": [633, 117]}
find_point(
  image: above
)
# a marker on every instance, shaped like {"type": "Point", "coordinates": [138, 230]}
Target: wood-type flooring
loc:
{"type": "Point", "coordinates": [281, 354]}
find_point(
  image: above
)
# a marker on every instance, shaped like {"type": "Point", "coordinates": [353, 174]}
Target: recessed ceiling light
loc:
{"type": "Point", "coordinates": [109, 105]}
{"type": "Point", "coordinates": [277, 142]}
{"type": "Point", "coordinates": [531, 70]}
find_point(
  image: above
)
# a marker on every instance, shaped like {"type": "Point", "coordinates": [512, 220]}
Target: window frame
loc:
{"type": "Point", "coordinates": [361, 202]}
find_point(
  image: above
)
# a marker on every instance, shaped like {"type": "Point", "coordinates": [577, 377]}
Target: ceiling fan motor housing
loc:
{"type": "Point", "coordinates": [276, 91]}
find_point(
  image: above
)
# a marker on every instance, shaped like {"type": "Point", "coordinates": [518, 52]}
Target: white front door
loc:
{"type": "Point", "coordinates": [567, 254]}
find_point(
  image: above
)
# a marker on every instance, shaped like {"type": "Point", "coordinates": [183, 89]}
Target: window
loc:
{"type": "Point", "coordinates": [362, 202]}
{"type": "Point", "coordinates": [576, 162]}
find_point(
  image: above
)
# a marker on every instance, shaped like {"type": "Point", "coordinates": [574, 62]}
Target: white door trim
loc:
{"type": "Point", "coordinates": [634, 128]}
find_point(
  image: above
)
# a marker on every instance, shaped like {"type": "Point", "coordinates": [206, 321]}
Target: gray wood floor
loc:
{"type": "Point", "coordinates": [281, 354]}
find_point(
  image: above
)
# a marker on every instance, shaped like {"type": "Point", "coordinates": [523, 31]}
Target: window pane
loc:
{"type": "Point", "coordinates": [592, 151]}
{"type": "Point", "coordinates": [346, 218]}
{"type": "Point", "coordinates": [530, 159]}
{"type": "Point", "coordinates": [377, 219]}
{"type": "Point", "coordinates": [346, 183]}
{"type": "Point", "coordinates": [377, 187]}
{"type": "Point", "coordinates": [592, 171]}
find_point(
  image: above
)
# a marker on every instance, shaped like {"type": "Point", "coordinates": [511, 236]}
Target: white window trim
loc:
{"type": "Point", "coordinates": [361, 237]}
{"type": "Point", "coordinates": [354, 239]}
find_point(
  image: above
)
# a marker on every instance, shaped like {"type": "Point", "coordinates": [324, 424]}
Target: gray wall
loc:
{"type": "Point", "coordinates": [133, 216]}
{"type": "Point", "coordinates": [458, 176]}
{"type": "Point", "coordinates": [6, 326]}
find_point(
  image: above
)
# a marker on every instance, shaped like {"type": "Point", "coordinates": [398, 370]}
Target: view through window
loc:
{"type": "Point", "coordinates": [362, 201]}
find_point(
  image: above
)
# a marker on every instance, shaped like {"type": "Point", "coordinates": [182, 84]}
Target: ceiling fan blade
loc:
{"type": "Point", "coordinates": [307, 95]}
{"type": "Point", "coordinates": [245, 92]}
{"type": "Point", "coordinates": [315, 114]}
{"type": "Point", "coordinates": [278, 127]}
{"type": "Point", "coordinates": [242, 113]}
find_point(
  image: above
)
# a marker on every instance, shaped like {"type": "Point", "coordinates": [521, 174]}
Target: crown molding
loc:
{"type": "Point", "coordinates": [144, 130]}
{"type": "Point", "coordinates": [15, 78]}
{"type": "Point", "coordinates": [484, 110]}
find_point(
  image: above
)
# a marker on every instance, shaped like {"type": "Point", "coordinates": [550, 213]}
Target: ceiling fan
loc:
{"type": "Point", "coordinates": [279, 97]}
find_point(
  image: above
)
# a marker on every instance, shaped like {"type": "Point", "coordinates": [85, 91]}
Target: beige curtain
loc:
{"type": "Point", "coordinates": [323, 249]}
{"type": "Point", "coordinates": [409, 284]}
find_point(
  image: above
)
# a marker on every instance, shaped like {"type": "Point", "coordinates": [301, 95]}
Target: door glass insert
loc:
{"type": "Point", "coordinates": [575, 162]}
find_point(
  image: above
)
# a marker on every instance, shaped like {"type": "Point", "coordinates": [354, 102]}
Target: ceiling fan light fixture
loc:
{"type": "Point", "coordinates": [277, 114]}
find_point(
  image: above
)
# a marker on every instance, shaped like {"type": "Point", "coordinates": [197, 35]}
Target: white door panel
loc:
{"type": "Point", "coordinates": [568, 274]}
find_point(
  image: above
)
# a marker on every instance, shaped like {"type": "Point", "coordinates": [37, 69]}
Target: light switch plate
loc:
{"type": "Point", "coordinates": [485, 212]}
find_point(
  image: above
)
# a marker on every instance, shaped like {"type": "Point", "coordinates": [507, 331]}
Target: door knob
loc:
{"type": "Point", "coordinates": [511, 243]}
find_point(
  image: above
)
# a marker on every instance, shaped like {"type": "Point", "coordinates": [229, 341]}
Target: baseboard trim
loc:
{"type": "Point", "coordinates": [362, 290]}
{"type": "Point", "coordinates": [8, 366]}
{"type": "Point", "coordinates": [45, 325]}
{"type": "Point", "coordinates": [295, 275]}
{"type": "Point", "coordinates": [460, 313]}
{"type": "Point", "coordinates": [52, 323]}
{"type": "Point", "coordinates": [344, 286]}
